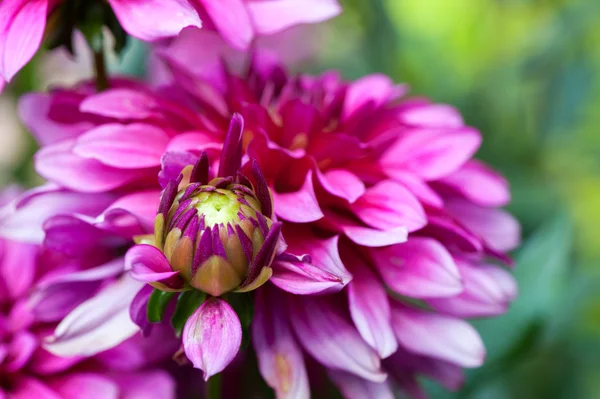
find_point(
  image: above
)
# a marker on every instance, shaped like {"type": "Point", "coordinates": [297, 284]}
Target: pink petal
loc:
{"type": "Point", "coordinates": [45, 363]}
{"type": "Point", "coordinates": [431, 153]}
{"type": "Point", "coordinates": [480, 184]}
{"type": "Point", "coordinates": [27, 388]}
{"type": "Point", "coordinates": [151, 20]}
{"type": "Point", "coordinates": [432, 115]}
{"type": "Point", "coordinates": [22, 219]}
{"type": "Point", "coordinates": [148, 264]}
{"type": "Point", "coordinates": [22, 24]}
{"type": "Point", "coordinates": [301, 206]}
{"type": "Point", "coordinates": [342, 183]}
{"type": "Point", "coordinates": [369, 307]}
{"type": "Point", "coordinates": [231, 20]}
{"type": "Point", "coordinates": [59, 164]}
{"type": "Point", "coordinates": [353, 387]}
{"type": "Point", "coordinates": [212, 336]}
{"type": "Point", "coordinates": [332, 339]}
{"type": "Point", "coordinates": [140, 206]}
{"type": "Point", "coordinates": [34, 111]}
{"type": "Point", "coordinates": [318, 270]}
{"type": "Point", "coordinates": [195, 141]}
{"type": "Point", "coordinates": [145, 385]}
{"type": "Point", "coordinates": [85, 386]}
{"type": "Point", "coordinates": [441, 337]}
{"type": "Point", "coordinates": [17, 267]}
{"type": "Point", "coordinates": [20, 350]}
{"type": "Point", "coordinates": [488, 292]}
{"type": "Point", "coordinates": [418, 268]}
{"type": "Point", "coordinates": [425, 194]}
{"type": "Point", "coordinates": [280, 358]}
{"type": "Point", "coordinates": [374, 89]}
{"type": "Point", "coordinates": [133, 146]}
{"type": "Point", "coordinates": [99, 323]}
{"type": "Point", "coordinates": [121, 103]}
{"type": "Point", "coordinates": [498, 229]}
{"type": "Point", "coordinates": [270, 17]}
{"type": "Point", "coordinates": [388, 205]}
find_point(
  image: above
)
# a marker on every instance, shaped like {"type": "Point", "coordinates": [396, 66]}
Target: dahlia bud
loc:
{"type": "Point", "coordinates": [218, 234]}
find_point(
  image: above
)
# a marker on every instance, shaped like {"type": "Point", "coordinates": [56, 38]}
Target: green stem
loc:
{"type": "Point", "coordinates": [213, 387]}
{"type": "Point", "coordinates": [100, 69]}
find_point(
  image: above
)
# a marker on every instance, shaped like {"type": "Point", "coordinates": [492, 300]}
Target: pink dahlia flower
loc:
{"type": "Point", "coordinates": [23, 22]}
{"type": "Point", "coordinates": [27, 370]}
{"type": "Point", "coordinates": [391, 233]}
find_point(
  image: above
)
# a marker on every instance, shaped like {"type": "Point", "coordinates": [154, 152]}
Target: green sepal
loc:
{"type": "Point", "coordinates": [157, 304]}
{"type": "Point", "coordinates": [244, 307]}
{"type": "Point", "coordinates": [187, 303]}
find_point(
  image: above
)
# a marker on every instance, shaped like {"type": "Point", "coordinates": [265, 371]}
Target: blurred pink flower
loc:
{"type": "Point", "coordinates": [392, 231]}
{"type": "Point", "coordinates": [27, 370]}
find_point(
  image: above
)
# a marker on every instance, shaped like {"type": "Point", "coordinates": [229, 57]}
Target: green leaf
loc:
{"type": "Point", "coordinates": [244, 307]}
{"type": "Point", "coordinates": [157, 304]}
{"type": "Point", "coordinates": [187, 303]}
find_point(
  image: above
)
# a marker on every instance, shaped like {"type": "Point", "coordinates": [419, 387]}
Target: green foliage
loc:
{"type": "Point", "coordinates": [157, 304]}
{"type": "Point", "coordinates": [187, 303]}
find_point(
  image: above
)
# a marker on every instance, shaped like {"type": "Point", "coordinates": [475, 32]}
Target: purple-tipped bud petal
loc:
{"type": "Point", "coordinates": [262, 190]}
{"type": "Point", "coordinates": [201, 169]}
{"type": "Point", "coordinates": [231, 157]}
{"type": "Point", "coordinates": [212, 336]}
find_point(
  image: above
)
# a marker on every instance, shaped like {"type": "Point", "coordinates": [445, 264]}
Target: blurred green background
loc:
{"type": "Point", "coordinates": [526, 73]}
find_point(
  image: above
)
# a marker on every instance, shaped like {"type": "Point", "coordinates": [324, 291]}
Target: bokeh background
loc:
{"type": "Point", "coordinates": [526, 73]}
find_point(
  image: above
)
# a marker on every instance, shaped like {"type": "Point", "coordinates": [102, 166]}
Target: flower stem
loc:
{"type": "Point", "coordinates": [213, 387]}
{"type": "Point", "coordinates": [100, 69]}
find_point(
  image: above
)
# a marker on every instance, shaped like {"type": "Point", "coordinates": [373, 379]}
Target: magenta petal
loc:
{"type": "Point", "coordinates": [121, 103]}
{"type": "Point", "coordinates": [132, 146]}
{"type": "Point", "coordinates": [17, 267]}
{"type": "Point", "coordinates": [375, 238]}
{"type": "Point", "coordinates": [389, 205]}
{"type": "Point", "coordinates": [479, 184]}
{"type": "Point", "coordinates": [231, 20]}
{"type": "Point", "coordinates": [369, 308]}
{"type": "Point", "coordinates": [353, 387]}
{"type": "Point", "coordinates": [274, 16]}
{"type": "Point", "coordinates": [85, 386]}
{"type": "Point", "coordinates": [498, 229]}
{"type": "Point", "coordinates": [375, 89]}
{"type": "Point", "coordinates": [151, 384]}
{"type": "Point", "coordinates": [22, 24]}
{"type": "Point", "coordinates": [27, 388]}
{"type": "Point", "coordinates": [212, 336]}
{"type": "Point", "coordinates": [488, 292]}
{"type": "Point", "coordinates": [155, 19]}
{"type": "Point", "coordinates": [148, 264]}
{"type": "Point", "coordinates": [332, 339]}
{"type": "Point", "coordinates": [419, 268]}
{"type": "Point", "coordinates": [99, 323]}
{"type": "Point", "coordinates": [301, 206]}
{"type": "Point", "coordinates": [20, 350]}
{"type": "Point", "coordinates": [432, 115]}
{"type": "Point", "coordinates": [320, 271]}
{"type": "Point", "coordinates": [342, 183]}
{"type": "Point", "coordinates": [431, 153]}
{"type": "Point", "coordinates": [441, 337]}
{"type": "Point", "coordinates": [280, 358]}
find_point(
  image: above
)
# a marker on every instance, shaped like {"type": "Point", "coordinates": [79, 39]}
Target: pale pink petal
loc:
{"type": "Point", "coordinates": [59, 164]}
{"type": "Point", "coordinates": [231, 20]}
{"type": "Point", "coordinates": [498, 229]}
{"type": "Point", "coordinates": [480, 184]}
{"type": "Point", "coordinates": [133, 146]}
{"type": "Point", "coordinates": [332, 339]}
{"type": "Point", "coordinates": [22, 24]}
{"type": "Point", "coordinates": [280, 358]}
{"type": "Point", "coordinates": [155, 19]}
{"type": "Point", "coordinates": [121, 103]}
{"type": "Point", "coordinates": [317, 268]}
{"type": "Point", "coordinates": [212, 336]}
{"type": "Point", "coordinates": [432, 115]}
{"type": "Point", "coordinates": [353, 387]}
{"type": "Point", "coordinates": [270, 17]}
{"type": "Point", "coordinates": [301, 206]}
{"type": "Point", "coordinates": [431, 153]}
{"type": "Point", "coordinates": [369, 306]}
{"type": "Point", "coordinates": [488, 292]}
{"type": "Point", "coordinates": [441, 337]}
{"type": "Point", "coordinates": [99, 323]}
{"type": "Point", "coordinates": [419, 268]}
{"type": "Point", "coordinates": [342, 183]}
{"type": "Point", "coordinates": [85, 386]}
{"type": "Point", "coordinates": [389, 205]}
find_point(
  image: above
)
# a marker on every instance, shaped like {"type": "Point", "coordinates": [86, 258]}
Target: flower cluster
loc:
{"type": "Point", "coordinates": [341, 225]}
